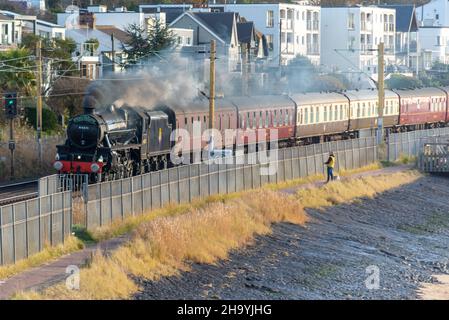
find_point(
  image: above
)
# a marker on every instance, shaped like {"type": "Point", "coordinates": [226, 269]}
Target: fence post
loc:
{"type": "Point", "coordinates": [39, 208]}
{"type": "Point", "coordinates": [14, 232]}
{"type": "Point", "coordinates": [101, 205]}
{"type": "Point", "coordinates": [1, 236]}
{"type": "Point", "coordinates": [122, 209]}
{"type": "Point", "coordinates": [190, 183]}
{"type": "Point", "coordinates": [142, 192]}
{"type": "Point", "coordinates": [26, 230]}
{"type": "Point", "coordinates": [132, 195]}
{"type": "Point", "coordinates": [51, 220]}
{"type": "Point", "coordinates": [178, 187]}
{"type": "Point", "coordinates": [160, 188]}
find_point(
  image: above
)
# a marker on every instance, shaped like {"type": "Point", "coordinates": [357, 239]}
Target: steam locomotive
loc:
{"type": "Point", "coordinates": [112, 142]}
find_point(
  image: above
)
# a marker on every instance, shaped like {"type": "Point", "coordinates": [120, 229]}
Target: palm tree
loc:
{"type": "Point", "coordinates": [17, 71]}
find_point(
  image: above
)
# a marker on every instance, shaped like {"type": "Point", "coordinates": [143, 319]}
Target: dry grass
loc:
{"type": "Point", "coordinates": [165, 245]}
{"type": "Point", "coordinates": [346, 191]}
{"type": "Point", "coordinates": [320, 177]}
{"type": "Point", "coordinates": [49, 253]}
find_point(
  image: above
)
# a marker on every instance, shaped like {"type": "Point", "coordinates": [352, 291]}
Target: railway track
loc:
{"type": "Point", "coordinates": [19, 191]}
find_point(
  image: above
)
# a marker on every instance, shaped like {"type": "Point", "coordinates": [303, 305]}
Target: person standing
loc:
{"type": "Point", "coordinates": [330, 167]}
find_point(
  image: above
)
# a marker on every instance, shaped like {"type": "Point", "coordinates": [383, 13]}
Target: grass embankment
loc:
{"type": "Point", "coordinates": [207, 233]}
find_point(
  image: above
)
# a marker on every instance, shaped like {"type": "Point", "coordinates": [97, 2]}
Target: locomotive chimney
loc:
{"type": "Point", "coordinates": [89, 104]}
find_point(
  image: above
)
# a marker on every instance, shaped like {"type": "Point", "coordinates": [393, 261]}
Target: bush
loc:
{"type": "Point", "coordinates": [49, 119]}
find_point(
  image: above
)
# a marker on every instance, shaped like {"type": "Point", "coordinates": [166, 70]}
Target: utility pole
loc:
{"type": "Point", "coordinates": [245, 75]}
{"type": "Point", "coordinates": [39, 99]}
{"type": "Point", "coordinates": [380, 91]}
{"type": "Point", "coordinates": [212, 94]}
{"type": "Point", "coordinates": [112, 52]}
{"type": "Point", "coordinates": [212, 85]}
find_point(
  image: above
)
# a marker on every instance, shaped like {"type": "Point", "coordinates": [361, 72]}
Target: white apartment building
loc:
{"type": "Point", "coordinates": [119, 17]}
{"type": "Point", "coordinates": [290, 29]}
{"type": "Point", "coordinates": [350, 37]}
{"type": "Point", "coordinates": [433, 22]}
{"type": "Point", "coordinates": [49, 30]}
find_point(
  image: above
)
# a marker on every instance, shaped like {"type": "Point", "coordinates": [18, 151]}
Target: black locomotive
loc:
{"type": "Point", "coordinates": [115, 143]}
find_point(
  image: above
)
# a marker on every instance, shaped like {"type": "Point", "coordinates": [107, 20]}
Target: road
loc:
{"type": "Point", "coordinates": [403, 234]}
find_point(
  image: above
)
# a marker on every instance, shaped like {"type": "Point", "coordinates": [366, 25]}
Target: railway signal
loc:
{"type": "Point", "coordinates": [10, 104]}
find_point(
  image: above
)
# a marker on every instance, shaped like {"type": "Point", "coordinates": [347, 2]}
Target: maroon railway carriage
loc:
{"type": "Point", "coordinates": [197, 114]}
{"type": "Point", "coordinates": [265, 113]}
{"type": "Point", "coordinates": [422, 108]}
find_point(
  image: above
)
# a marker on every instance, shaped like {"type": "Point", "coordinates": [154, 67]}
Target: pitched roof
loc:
{"type": "Point", "coordinates": [170, 13]}
{"type": "Point", "coordinates": [111, 30]}
{"type": "Point", "coordinates": [245, 31]}
{"type": "Point", "coordinates": [220, 23]}
{"type": "Point", "coordinates": [405, 17]}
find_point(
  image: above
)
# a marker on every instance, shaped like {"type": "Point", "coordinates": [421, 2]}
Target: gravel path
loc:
{"type": "Point", "coordinates": [403, 232]}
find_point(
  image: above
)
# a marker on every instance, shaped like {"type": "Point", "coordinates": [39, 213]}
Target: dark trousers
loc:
{"type": "Point", "coordinates": [330, 174]}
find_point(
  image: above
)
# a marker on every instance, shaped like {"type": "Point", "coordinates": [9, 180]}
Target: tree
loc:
{"type": "Point", "coordinates": [66, 96]}
{"type": "Point", "coordinates": [17, 71]}
{"type": "Point", "coordinates": [58, 50]}
{"type": "Point", "coordinates": [141, 45]}
{"type": "Point", "coordinates": [398, 81]}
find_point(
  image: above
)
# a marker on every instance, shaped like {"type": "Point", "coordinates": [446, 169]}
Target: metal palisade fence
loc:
{"type": "Point", "coordinates": [112, 200]}
{"type": "Point", "coordinates": [411, 143]}
{"type": "Point", "coordinates": [29, 226]}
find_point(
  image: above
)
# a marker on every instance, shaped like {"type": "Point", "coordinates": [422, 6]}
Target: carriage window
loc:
{"type": "Point", "coordinates": [331, 108]}
{"type": "Point", "coordinates": [311, 115]}
{"type": "Point", "coordinates": [286, 118]}
{"type": "Point", "coordinates": [336, 113]}
{"type": "Point", "coordinates": [185, 121]}
{"type": "Point", "coordinates": [325, 114]}
{"type": "Point", "coordinates": [260, 120]}
{"type": "Point", "coordinates": [306, 116]}
{"type": "Point", "coordinates": [242, 124]}
{"type": "Point", "coordinates": [267, 119]}
{"type": "Point", "coordinates": [275, 122]}
{"type": "Point", "coordinates": [254, 120]}
{"type": "Point", "coordinates": [358, 110]}
{"type": "Point", "coordinates": [281, 118]}
{"type": "Point", "coordinates": [317, 114]}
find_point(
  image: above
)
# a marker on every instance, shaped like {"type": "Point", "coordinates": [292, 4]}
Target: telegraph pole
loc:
{"type": "Point", "coordinates": [212, 95]}
{"type": "Point", "coordinates": [112, 52]}
{"type": "Point", "coordinates": [212, 85]}
{"type": "Point", "coordinates": [380, 92]}
{"type": "Point", "coordinates": [39, 99]}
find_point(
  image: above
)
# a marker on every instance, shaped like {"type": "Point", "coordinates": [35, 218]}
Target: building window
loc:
{"type": "Point", "coordinates": [351, 24]}
{"type": "Point", "coordinates": [270, 19]}
{"type": "Point", "coordinates": [282, 14]}
{"type": "Point", "coordinates": [188, 41]}
{"type": "Point", "coordinates": [269, 41]}
{"type": "Point", "coordinates": [351, 42]}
